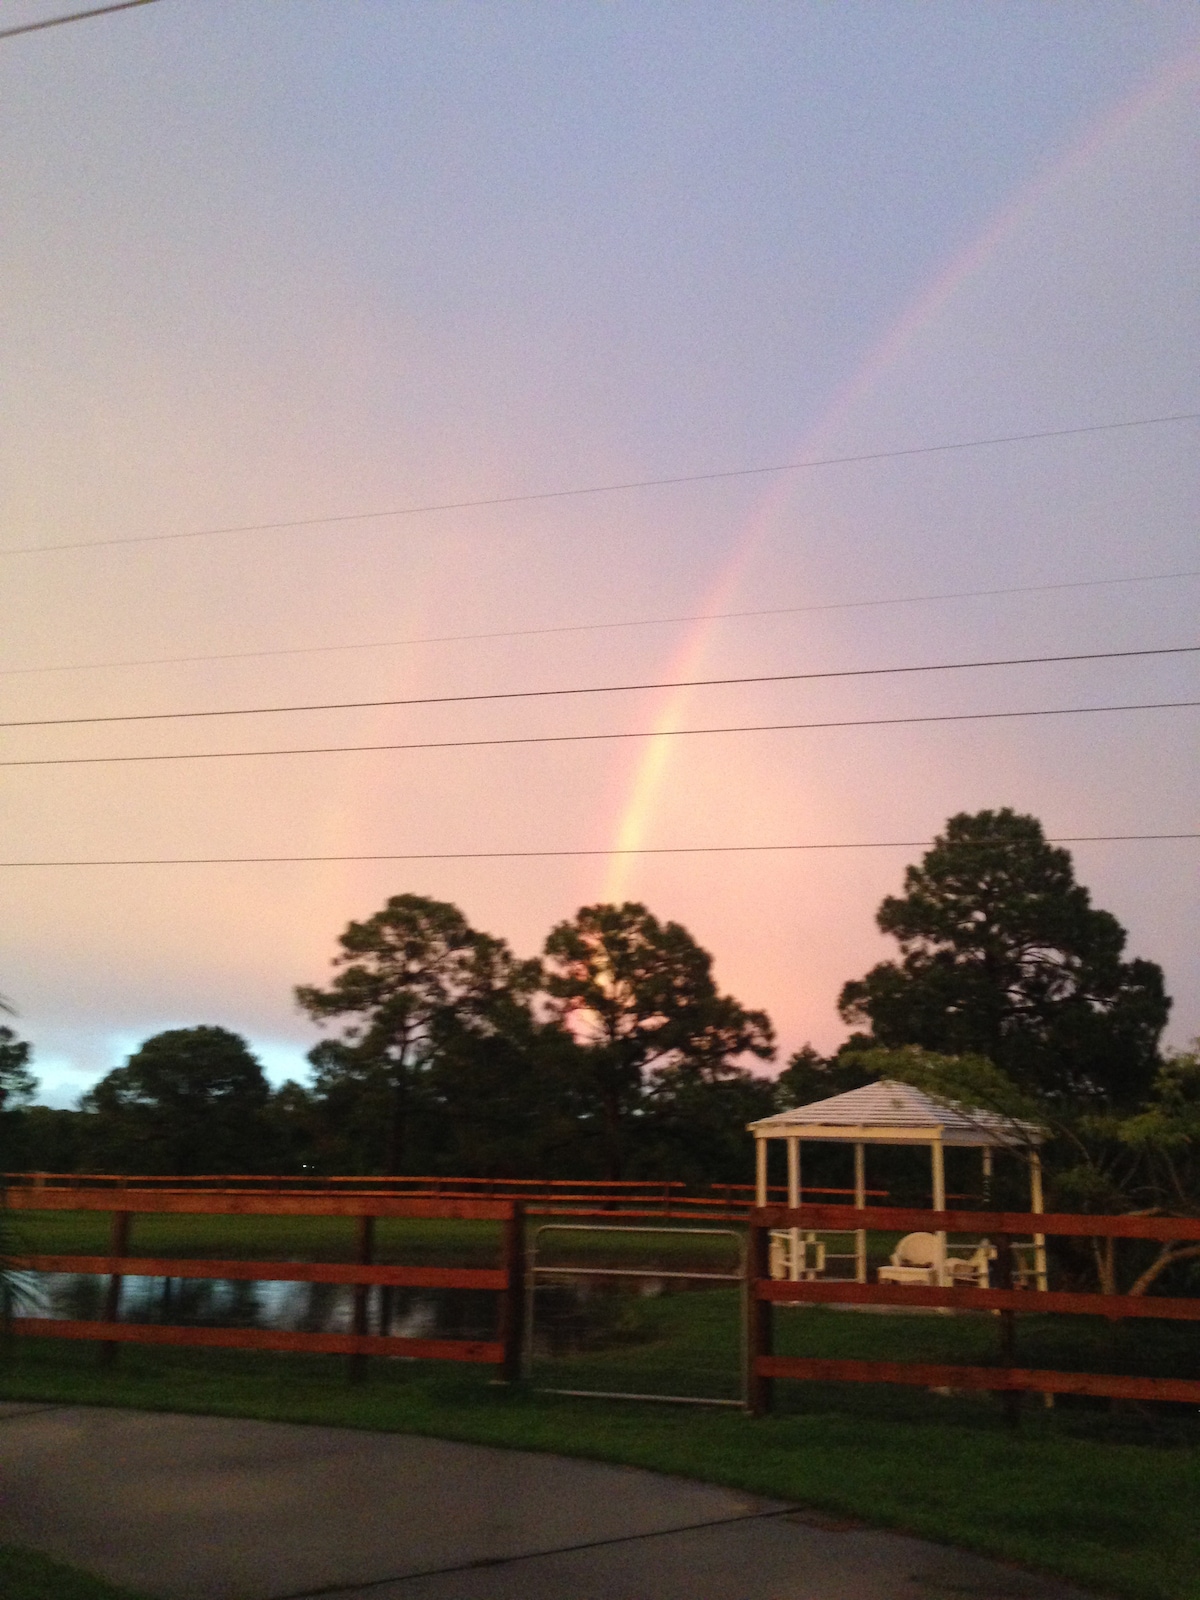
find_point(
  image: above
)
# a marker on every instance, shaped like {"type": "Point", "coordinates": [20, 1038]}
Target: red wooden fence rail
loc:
{"type": "Point", "coordinates": [507, 1279]}
{"type": "Point", "coordinates": [764, 1292]}
{"type": "Point", "coordinates": [661, 1196]}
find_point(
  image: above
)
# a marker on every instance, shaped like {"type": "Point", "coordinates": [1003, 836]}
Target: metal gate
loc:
{"type": "Point", "coordinates": [702, 1351]}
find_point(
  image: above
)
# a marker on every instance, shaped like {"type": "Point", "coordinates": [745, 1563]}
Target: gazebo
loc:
{"type": "Point", "coordinates": [891, 1113]}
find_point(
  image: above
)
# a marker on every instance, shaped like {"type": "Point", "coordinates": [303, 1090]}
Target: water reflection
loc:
{"type": "Point", "coordinates": [293, 1307]}
{"type": "Point", "coordinates": [569, 1317]}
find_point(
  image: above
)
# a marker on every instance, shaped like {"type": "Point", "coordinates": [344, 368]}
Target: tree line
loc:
{"type": "Point", "coordinates": [616, 1055]}
{"type": "Point", "coordinates": [613, 1055]}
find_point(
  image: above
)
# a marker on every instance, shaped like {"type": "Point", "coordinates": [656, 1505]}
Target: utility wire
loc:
{"type": "Point", "coordinates": [605, 688]}
{"type": "Point", "coordinates": [72, 16]}
{"type": "Point", "coordinates": [598, 488]}
{"type": "Point", "coordinates": [599, 627]}
{"type": "Point", "coordinates": [592, 738]}
{"type": "Point", "coordinates": [553, 855]}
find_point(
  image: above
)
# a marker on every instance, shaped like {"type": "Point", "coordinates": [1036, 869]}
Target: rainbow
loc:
{"type": "Point", "coordinates": [651, 771]}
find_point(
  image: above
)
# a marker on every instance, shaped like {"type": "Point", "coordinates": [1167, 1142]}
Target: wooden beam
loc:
{"type": "Point", "coordinates": [337, 1344]}
{"type": "Point", "coordinates": [271, 1271]}
{"type": "Point", "coordinates": [996, 1379]}
{"type": "Point", "coordinates": [201, 1202]}
{"type": "Point", "coordinates": [1113, 1306]}
{"type": "Point", "coordinates": [512, 1298]}
{"type": "Point", "coordinates": [365, 1242]}
{"type": "Point", "coordinates": [757, 1335]}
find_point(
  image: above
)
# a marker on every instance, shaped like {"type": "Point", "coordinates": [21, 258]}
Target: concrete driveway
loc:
{"type": "Point", "coordinates": [208, 1508]}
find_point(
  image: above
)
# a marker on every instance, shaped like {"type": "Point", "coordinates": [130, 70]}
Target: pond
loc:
{"type": "Point", "coordinates": [576, 1315]}
{"type": "Point", "coordinates": [287, 1306]}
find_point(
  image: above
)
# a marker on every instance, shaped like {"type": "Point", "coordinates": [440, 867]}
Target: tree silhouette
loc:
{"type": "Point", "coordinates": [410, 978]}
{"type": "Point", "coordinates": [1003, 955]}
{"type": "Point", "coordinates": [640, 998]}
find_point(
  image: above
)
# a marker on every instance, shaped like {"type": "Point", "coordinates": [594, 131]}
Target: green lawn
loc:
{"type": "Point", "coordinates": [449, 1243]}
{"type": "Point", "coordinates": [25, 1575]}
{"type": "Point", "coordinates": [444, 1243]}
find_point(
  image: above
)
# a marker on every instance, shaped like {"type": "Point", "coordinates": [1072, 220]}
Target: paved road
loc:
{"type": "Point", "coordinates": [208, 1508]}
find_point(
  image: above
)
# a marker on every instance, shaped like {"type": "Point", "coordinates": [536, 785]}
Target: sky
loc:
{"type": "Point", "coordinates": [285, 264]}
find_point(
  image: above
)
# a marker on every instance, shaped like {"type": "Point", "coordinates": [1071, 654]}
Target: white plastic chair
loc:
{"type": "Point", "coordinates": [914, 1260]}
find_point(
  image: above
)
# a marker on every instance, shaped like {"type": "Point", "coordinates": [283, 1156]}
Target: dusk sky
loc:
{"type": "Point", "coordinates": [269, 263]}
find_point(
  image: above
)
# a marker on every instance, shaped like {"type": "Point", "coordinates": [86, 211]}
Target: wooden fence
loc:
{"type": "Point", "coordinates": [506, 1279]}
{"type": "Point", "coordinates": [633, 1197]}
{"type": "Point", "coordinates": [763, 1366]}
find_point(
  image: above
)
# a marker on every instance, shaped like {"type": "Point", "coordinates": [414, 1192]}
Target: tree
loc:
{"type": "Point", "coordinates": [507, 1103]}
{"type": "Point", "coordinates": [17, 1088]}
{"type": "Point", "coordinates": [811, 1076]}
{"type": "Point", "coordinates": [411, 978]}
{"type": "Point", "coordinates": [189, 1100]}
{"type": "Point", "coordinates": [49, 1139]}
{"type": "Point", "coordinates": [1003, 955]}
{"type": "Point", "coordinates": [639, 997]}
{"type": "Point", "coordinates": [1164, 1139]}
{"type": "Point", "coordinates": [17, 1083]}
{"type": "Point", "coordinates": [694, 1126]}
{"type": "Point", "coordinates": [294, 1130]}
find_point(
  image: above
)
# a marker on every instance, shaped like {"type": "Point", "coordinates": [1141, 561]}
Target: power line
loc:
{"type": "Point", "coordinates": [607, 688]}
{"type": "Point", "coordinates": [284, 525]}
{"type": "Point", "coordinates": [592, 738]}
{"type": "Point", "coordinates": [552, 855]}
{"type": "Point", "coordinates": [600, 627]}
{"type": "Point", "coordinates": [72, 16]}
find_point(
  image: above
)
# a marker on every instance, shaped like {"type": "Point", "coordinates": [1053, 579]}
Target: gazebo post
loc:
{"type": "Point", "coordinates": [760, 1175]}
{"type": "Point", "coordinates": [1037, 1205]}
{"type": "Point", "coordinates": [793, 1173]}
{"type": "Point", "coordinates": [987, 1172]}
{"type": "Point", "coordinates": [860, 1200]}
{"type": "Point", "coordinates": [938, 1158]}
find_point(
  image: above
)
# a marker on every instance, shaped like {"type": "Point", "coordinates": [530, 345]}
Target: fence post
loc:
{"type": "Point", "coordinates": [1008, 1327]}
{"type": "Point", "coordinates": [366, 1252]}
{"type": "Point", "coordinates": [118, 1246]}
{"type": "Point", "coordinates": [512, 1298]}
{"type": "Point", "coordinates": [758, 1318]}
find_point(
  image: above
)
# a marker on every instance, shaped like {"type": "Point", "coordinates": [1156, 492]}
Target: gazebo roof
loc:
{"type": "Point", "coordinates": [887, 1112]}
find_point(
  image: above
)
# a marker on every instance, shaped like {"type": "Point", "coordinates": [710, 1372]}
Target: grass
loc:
{"type": "Point", "coordinates": [441, 1243]}
{"type": "Point", "coordinates": [25, 1575]}
{"type": "Point", "coordinates": [1104, 1496]}
{"type": "Point", "coordinates": [449, 1243]}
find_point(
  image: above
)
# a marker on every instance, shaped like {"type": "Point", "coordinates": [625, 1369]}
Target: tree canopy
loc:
{"type": "Point", "coordinates": [411, 980]}
{"type": "Point", "coordinates": [17, 1082]}
{"type": "Point", "coordinates": [1003, 955]}
{"type": "Point", "coordinates": [810, 1076]}
{"type": "Point", "coordinates": [639, 997]}
{"type": "Point", "coordinates": [188, 1100]}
